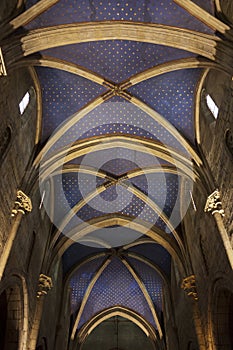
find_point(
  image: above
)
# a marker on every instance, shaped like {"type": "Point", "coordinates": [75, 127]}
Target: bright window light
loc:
{"type": "Point", "coordinates": [212, 106]}
{"type": "Point", "coordinates": [24, 102]}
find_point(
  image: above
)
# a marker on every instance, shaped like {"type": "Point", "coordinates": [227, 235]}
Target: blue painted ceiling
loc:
{"type": "Point", "coordinates": [172, 95]}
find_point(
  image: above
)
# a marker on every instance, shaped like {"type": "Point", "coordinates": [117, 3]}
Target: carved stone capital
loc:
{"type": "Point", "coordinates": [45, 284]}
{"type": "Point", "coordinates": [189, 286]}
{"type": "Point", "coordinates": [214, 204]}
{"type": "Point", "coordinates": [2, 65]}
{"type": "Point", "coordinates": [23, 204]}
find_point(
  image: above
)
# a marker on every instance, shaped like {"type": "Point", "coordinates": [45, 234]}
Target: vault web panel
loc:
{"type": "Point", "coordinates": [163, 11]}
{"type": "Point", "coordinates": [75, 254]}
{"type": "Point", "coordinates": [63, 94]}
{"type": "Point", "coordinates": [116, 286]}
{"type": "Point", "coordinates": [156, 253]}
{"type": "Point", "coordinates": [117, 60]}
{"type": "Point", "coordinates": [173, 96]}
{"type": "Point", "coordinates": [80, 281]}
{"type": "Point", "coordinates": [117, 200]}
{"type": "Point", "coordinates": [118, 116]}
{"type": "Point", "coordinates": [152, 281]}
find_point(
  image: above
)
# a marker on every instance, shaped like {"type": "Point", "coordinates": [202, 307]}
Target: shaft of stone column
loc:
{"type": "Point", "coordinates": [224, 235]}
{"type": "Point", "coordinates": [198, 326]}
{"type": "Point", "coordinates": [9, 243]}
{"type": "Point", "coordinates": [36, 324]}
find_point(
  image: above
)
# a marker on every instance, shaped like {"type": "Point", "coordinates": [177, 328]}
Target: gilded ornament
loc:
{"type": "Point", "coordinates": [189, 286]}
{"type": "Point", "coordinates": [45, 284]}
{"type": "Point", "coordinates": [214, 204]}
{"type": "Point", "coordinates": [23, 204]}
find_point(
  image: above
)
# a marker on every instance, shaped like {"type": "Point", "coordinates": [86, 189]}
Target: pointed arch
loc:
{"type": "Point", "coordinates": [82, 147]}
{"type": "Point", "coordinates": [156, 234]}
{"type": "Point", "coordinates": [49, 37]}
{"type": "Point", "coordinates": [87, 294]}
{"type": "Point", "coordinates": [116, 311]}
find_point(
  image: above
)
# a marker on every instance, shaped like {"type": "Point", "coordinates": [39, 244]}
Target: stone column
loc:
{"type": "Point", "coordinates": [189, 286]}
{"type": "Point", "coordinates": [214, 206]}
{"type": "Point", "coordinates": [44, 285]}
{"type": "Point", "coordinates": [22, 206]}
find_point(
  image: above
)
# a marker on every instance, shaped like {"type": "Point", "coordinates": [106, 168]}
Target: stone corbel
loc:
{"type": "Point", "coordinates": [23, 204]}
{"type": "Point", "coordinates": [189, 286]}
{"type": "Point", "coordinates": [2, 65]}
{"type": "Point", "coordinates": [45, 284]}
{"type": "Point", "coordinates": [214, 204]}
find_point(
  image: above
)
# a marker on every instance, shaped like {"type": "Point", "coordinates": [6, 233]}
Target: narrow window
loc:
{"type": "Point", "coordinates": [24, 103]}
{"type": "Point", "coordinates": [212, 106]}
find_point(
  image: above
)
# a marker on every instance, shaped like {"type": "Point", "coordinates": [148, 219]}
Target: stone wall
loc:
{"type": "Point", "coordinates": [205, 246]}
{"type": "Point", "coordinates": [21, 141]}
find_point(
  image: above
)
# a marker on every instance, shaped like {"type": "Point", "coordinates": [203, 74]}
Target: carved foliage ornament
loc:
{"type": "Point", "coordinates": [23, 204]}
{"type": "Point", "coordinates": [189, 286]}
{"type": "Point", "coordinates": [214, 204]}
{"type": "Point", "coordinates": [45, 284]}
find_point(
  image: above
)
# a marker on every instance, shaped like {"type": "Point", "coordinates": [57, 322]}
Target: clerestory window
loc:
{"type": "Point", "coordinates": [24, 102]}
{"type": "Point", "coordinates": [212, 106]}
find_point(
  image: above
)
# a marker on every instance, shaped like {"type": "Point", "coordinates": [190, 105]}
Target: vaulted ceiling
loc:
{"type": "Point", "coordinates": [119, 84]}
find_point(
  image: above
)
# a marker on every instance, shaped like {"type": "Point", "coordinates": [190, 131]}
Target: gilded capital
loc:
{"type": "Point", "coordinates": [214, 204]}
{"type": "Point", "coordinates": [189, 286]}
{"type": "Point", "coordinates": [23, 204]}
{"type": "Point", "coordinates": [45, 284]}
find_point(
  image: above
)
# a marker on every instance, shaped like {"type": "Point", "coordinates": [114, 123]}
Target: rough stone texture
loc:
{"type": "Point", "coordinates": [19, 152]}
{"type": "Point", "coordinates": [227, 10]}
{"type": "Point", "coordinates": [182, 310]}
{"type": "Point", "coordinates": [7, 9]}
{"type": "Point", "coordinates": [205, 245]}
{"type": "Point", "coordinates": [214, 146]}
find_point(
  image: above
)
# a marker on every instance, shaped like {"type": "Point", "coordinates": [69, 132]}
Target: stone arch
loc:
{"type": "Point", "coordinates": [222, 315]}
{"type": "Point", "coordinates": [154, 233]}
{"type": "Point", "coordinates": [107, 314]}
{"type": "Point", "coordinates": [14, 313]}
{"type": "Point", "coordinates": [3, 318]}
{"type": "Point", "coordinates": [212, 83]}
{"type": "Point", "coordinates": [42, 344]}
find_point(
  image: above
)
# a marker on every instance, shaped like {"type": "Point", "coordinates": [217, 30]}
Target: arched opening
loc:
{"type": "Point", "coordinates": [42, 344]}
{"type": "Point", "coordinates": [10, 318]}
{"type": "Point", "coordinates": [3, 318]}
{"type": "Point", "coordinates": [117, 333]}
{"type": "Point", "coordinates": [223, 320]}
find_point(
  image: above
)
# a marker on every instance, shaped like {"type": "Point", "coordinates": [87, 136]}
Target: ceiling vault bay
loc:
{"type": "Point", "coordinates": [191, 52]}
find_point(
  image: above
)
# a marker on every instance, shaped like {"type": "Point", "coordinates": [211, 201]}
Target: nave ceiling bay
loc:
{"type": "Point", "coordinates": [120, 90]}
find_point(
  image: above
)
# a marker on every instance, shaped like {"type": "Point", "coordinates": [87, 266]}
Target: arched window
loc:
{"type": "Point", "coordinates": [222, 320]}
{"type": "Point", "coordinates": [212, 106]}
{"type": "Point", "coordinates": [209, 106]}
{"type": "Point", "coordinates": [27, 102]}
{"type": "Point", "coordinates": [24, 102]}
{"type": "Point", "coordinates": [11, 314]}
{"type": "Point", "coordinates": [43, 344]}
